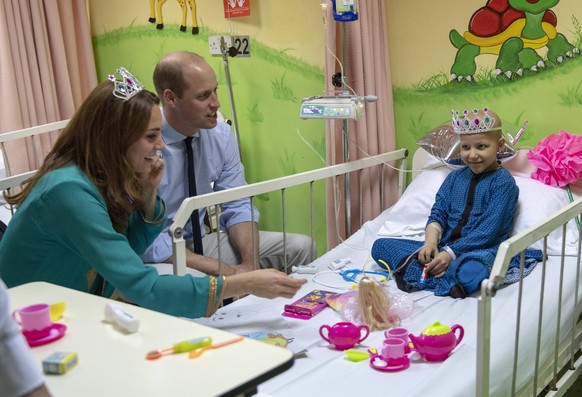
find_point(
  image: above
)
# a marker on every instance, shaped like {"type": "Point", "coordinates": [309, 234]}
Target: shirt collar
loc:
{"type": "Point", "coordinates": [171, 135]}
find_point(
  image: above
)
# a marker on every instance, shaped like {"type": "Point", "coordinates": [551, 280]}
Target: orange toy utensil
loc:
{"type": "Point", "coordinates": [154, 354]}
{"type": "Point", "coordinates": [198, 352]}
{"type": "Point", "coordinates": [180, 347]}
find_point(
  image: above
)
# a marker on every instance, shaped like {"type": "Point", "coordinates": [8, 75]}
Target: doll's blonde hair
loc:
{"type": "Point", "coordinates": [374, 305]}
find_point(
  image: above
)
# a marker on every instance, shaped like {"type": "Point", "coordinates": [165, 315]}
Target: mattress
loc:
{"type": "Point", "coordinates": [322, 370]}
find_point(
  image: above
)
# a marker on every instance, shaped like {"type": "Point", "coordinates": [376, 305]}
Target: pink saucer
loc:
{"type": "Point", "coordinates": [378, 363]}
{"type": "Point", "coordinates": [57, 332]}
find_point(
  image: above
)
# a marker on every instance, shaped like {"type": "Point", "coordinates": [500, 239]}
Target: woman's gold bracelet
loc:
{"type": "Point", "coordinates": [159, 217]}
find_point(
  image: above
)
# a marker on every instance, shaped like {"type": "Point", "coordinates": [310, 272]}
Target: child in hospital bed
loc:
{"type": "Point", "coordinates": [472, 214]}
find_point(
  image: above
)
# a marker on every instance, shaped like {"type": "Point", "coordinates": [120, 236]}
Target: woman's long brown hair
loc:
{"type": "Point", "coordinates": [96, 140]}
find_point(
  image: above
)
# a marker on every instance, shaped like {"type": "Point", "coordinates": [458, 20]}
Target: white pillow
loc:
{"type": "Point", "coordinates": [407, 218]}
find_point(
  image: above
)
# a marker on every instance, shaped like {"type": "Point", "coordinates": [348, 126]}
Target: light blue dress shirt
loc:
{"type": "Point", "coordinates": [217, 166]}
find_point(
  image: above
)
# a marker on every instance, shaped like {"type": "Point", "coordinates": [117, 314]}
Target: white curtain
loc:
{"type": "Point", "coordinates": [46, 70]}
{"type": "Point", "coordinates": [362, 47]}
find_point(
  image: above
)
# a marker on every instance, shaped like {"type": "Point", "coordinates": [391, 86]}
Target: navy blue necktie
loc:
{"type": "Point", "coordinates": [194, 218]}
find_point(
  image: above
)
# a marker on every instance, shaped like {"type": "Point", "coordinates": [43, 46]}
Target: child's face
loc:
{"type": "Point", "coordinates": [479, 151]}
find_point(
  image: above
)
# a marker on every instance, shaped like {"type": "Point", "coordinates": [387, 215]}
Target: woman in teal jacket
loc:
{"type": "Point", "coordinates": [92, 208]}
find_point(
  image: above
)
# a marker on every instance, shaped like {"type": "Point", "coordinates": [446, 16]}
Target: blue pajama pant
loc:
{"type": "Point", "coordinates": [468, 273]}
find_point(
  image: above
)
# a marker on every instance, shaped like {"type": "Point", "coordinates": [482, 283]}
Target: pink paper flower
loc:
{"type": "Point", "coordinates": [558, 159]}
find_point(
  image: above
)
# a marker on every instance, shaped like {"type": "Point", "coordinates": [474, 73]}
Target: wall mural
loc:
{"type": "Point", "coordinates": [268, 85]}
{"type": "Point", "coordinates": [513, 30]}
{"type": "Point", "coordinates": [156, 9]}
{"type": "Point", "coordinates": [267, 88]}
{"type": "Point", "coordinates": [520, 58]}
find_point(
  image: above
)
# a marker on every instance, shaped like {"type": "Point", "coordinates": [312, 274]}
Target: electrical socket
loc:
{"type": "Point", "coordinates": [214, 44]}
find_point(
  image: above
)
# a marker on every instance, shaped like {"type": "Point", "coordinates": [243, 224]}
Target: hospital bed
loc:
{"type": "Point", "coordinates": [520, 339]}
{"type": "Point", "coordinates": [10, 179]}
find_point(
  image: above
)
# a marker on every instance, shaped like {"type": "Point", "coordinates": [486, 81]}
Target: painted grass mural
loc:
{"type": "Point", "coordinates": [267, 90]}
{"type": "Point", "coordinates": [549, 98]}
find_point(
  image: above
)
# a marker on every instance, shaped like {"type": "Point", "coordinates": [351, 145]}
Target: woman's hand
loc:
{"type": "Point", "coordinates": [153, 179]}
{"type": "Point", "coordinates": [266, 283]}
{"type": "Point", "coordinates": [151, 182]}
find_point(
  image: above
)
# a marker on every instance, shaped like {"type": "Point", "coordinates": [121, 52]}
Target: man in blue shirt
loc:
{"type": "Point", "coordinates": [186, 85]}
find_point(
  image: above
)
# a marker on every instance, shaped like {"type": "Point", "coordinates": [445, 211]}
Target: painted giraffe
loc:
{"type": "Point", "coordinates": [156, 8]}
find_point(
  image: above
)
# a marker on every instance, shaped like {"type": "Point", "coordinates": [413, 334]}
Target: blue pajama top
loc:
{"type": "Point", "coordinates": [491, 218]}
{"type": "Point", "coordinates": [488, 224]}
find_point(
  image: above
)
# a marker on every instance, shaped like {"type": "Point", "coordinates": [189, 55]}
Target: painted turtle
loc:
{"type": "Point", "coordinates": [513, 30]}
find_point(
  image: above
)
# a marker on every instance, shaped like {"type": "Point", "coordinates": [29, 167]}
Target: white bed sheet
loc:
{"type": "Point", "coordinates": [325, 371]}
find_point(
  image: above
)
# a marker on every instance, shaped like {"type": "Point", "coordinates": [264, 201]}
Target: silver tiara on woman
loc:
{"type": "Point", "coordinates": [127, 87]}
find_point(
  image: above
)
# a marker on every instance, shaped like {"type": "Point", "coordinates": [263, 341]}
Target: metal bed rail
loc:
{"type": "Point", "coordinates": [555, 378]}
{"type": "Point", "coordinates": [279, 184]}
{"type": "Point", "coordinates": [33, 132]}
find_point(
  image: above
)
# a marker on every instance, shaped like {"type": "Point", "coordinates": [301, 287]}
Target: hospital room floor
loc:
{"type": "Point", "coordinates": [576, 389]}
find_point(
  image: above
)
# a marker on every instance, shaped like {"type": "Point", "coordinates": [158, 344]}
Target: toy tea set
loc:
{"type": "Point", "coordinates": [38, 323]}
{"type": "Point", "coordinates": [434, 344]}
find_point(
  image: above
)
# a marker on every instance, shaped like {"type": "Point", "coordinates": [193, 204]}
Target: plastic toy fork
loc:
{"type": "Point", "coordinates": [180, 347]}
{"type": "Point", "coordinates": [198, 352]}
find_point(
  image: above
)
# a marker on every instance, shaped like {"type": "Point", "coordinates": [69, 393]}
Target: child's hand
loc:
{"type": "Point", "coordinates": [439, 264]}
{"type": "Point", "coordinates": [427, 252]}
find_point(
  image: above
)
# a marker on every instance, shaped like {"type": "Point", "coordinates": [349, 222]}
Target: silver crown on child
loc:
{"type": "Point", "coordinates": [126, 88]}
{"type": "Point", "coordinates": [470, 122]}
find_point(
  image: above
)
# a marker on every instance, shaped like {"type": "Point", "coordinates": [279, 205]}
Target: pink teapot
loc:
{"type": "Point", "coordinates": [344, 335]}
{"type": "Point", "coordinates": [437, 341]}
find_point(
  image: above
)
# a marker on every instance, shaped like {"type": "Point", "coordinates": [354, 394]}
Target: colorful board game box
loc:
{"type": "Point", "coordinates": [308, 305]}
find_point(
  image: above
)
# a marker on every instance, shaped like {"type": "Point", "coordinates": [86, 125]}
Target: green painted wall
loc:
{"type": "Point", "coordinates": [287, 39]}
{"type": "Point", "coordinates": [267, 90]}
{"type": "Point", "coordinates": [421, 56]}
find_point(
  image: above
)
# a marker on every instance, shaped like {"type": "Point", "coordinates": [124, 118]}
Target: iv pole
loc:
{"type": "Point", "coordinates": [346, 150]}
{"type": "Point", "coordinates": [232, 52]}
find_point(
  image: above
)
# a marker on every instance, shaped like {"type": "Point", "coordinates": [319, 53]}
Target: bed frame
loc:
{"type": "Point", "coordinates": [551, 378]}
{"type": "Point", "coordinates": [213, 200]}
{"type": "Point", "coordinates": [33, 134]}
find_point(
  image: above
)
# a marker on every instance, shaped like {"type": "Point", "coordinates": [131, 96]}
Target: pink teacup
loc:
{"type": "Point", "coordinates": [35, 320]}
{"type": "Point", "coordinates": [344, 335]}
{"type": "Point", "coordinates": [399, 333]}
{"type": "Point", "coordinates": [393, 351]}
